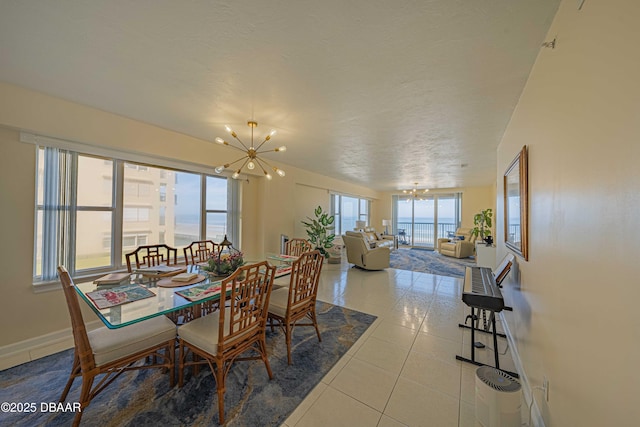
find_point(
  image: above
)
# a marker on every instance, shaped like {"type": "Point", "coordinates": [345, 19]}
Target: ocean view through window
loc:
{"type": "Point", "coordinates": [421, 221]}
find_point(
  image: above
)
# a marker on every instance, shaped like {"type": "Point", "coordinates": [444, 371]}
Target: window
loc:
{"type": "Point", "coordinates": [216, 209]}
{"type": "Point", "coordinates": [163, 192]}
{"type": "Point", "coordinates": [162, 213]}
{"type": "Point", "coordinates": [422, 221]}
{"type": "Point", "coordinates": [73, 211]}
{"type": "Point", "coordinates": [347, 210]}
{"type": "Point", "coordinates": [78, 212]}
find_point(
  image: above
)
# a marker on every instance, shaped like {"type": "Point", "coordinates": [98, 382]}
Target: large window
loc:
{"type": "Point", "coordinates": [347, 210]}
{"type": "Point", "coordinates": [420, 221]}
{"type": "Point", "coordinates": [93, 210]}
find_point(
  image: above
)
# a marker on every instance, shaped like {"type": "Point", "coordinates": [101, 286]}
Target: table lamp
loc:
{"type": "Point", "coordinates": [386, 223]}
{"type": "Point", "coordinates": [360, 225]}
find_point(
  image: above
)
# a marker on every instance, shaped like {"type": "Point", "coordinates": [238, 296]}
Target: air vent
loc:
{"type": "Point", "coordinates": [497, 380]}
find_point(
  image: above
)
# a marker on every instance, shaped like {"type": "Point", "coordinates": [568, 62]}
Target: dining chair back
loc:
{"type": "Point", "coordinates": [220, 338]}
{"type": "Point", "coordinates": [151, 256]}
{"type": "Point", "coordinates": [292, 304]}
{"type": "Point", "coordinates": [110, 352]}
{"type": "Point", "coordinates": [297, 246]}
{"type": "Point", "coordinates": [199, 251]}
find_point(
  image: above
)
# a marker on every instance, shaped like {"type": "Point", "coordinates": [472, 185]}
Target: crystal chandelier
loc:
{"type": "Point", "coordinates": [415, 192]}
{"type": "Point", "coordinates": [251, 154]}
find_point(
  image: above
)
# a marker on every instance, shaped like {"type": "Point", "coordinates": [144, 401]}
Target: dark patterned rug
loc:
{"type": "Point", "coordinates": [144, 398]}
{"type": "Point", "coordinates": [429, 261]}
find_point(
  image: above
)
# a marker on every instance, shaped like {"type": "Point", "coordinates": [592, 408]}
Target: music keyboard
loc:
{"type": "Point", "coordinates": [480, 289]}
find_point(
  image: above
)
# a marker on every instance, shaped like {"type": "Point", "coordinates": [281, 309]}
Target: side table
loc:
{"type": "Point", "coordinates": [485, 255]}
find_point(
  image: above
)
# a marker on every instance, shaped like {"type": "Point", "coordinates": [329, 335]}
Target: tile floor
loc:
{"type": "Point", "coordinates": [402, 371]}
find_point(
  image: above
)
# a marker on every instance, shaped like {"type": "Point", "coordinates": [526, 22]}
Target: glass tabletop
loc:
{"type": "Point", "coordinates": [281, 258]}
{"type": "Point", "coordinates": [165, 299]}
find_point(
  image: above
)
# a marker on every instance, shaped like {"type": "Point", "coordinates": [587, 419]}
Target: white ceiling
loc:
{"type": "Point", "coordinates": [374, 92]}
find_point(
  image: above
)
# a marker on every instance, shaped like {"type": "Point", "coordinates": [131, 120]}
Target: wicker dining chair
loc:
{"type": "Point", "coordinates": [297, 302]}
{"type": "Point", "coordinates": [151, 256]}
{"type": "Point", "coordinates": [199, 251]}
{"type": "Point", "coordinates": [220, 338]}
{"type": "Point", "coordinates": [296, 247]}
{"type": "Point", "coordinates": [110, 352]}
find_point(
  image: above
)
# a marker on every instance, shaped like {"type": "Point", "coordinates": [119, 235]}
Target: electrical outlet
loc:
{"type": "Point", "coordinates": [545, 387]}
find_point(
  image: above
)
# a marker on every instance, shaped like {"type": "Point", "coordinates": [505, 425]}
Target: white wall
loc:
{"type": "Point", "coordinates": [575, 300]}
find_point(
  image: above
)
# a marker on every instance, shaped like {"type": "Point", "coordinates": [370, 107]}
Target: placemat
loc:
{"type": "Point", "coordinates": [119, 295]}
{"type": "Point", "coordinates": [169, 283]}
{"type": "Point", "coordinates": [202, 291]}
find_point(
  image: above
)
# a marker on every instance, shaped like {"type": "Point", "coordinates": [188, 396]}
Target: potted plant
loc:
{"type": "Point", "coordinates": [482, 229]}
{"type": "Point", "coordinates": [317, 230]}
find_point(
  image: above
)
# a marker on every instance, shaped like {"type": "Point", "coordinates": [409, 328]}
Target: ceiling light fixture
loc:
{"type": "Point", "coordinates": [415, 192]}
{"type": "Point", "coordinates": [251, 153]}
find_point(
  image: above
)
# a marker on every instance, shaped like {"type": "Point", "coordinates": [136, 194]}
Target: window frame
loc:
{"type": "Point", "coordinates": [337, 210]}
{"type": "Point", "coordinates": [116, 209]}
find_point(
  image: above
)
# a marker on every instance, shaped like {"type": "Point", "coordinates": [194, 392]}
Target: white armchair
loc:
{"type": "Point", "coordinates": [458, 248]}
{"type": "Point", "coordinates": [360, 254]}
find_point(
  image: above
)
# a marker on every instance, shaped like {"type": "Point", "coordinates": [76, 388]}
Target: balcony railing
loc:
{"type": "Point", "coordinates": [422, 233]}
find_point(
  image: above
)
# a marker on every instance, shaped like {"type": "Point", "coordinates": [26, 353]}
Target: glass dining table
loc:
{"type": "Point", "coordinates": [140, 297]}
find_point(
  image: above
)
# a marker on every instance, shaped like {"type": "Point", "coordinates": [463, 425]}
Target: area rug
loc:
{"type": "Point", "coordinates": [144, 398]}
{"type": "Point", "coordinates": [429, 261]}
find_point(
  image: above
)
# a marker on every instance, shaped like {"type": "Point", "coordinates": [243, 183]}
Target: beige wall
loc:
{"type": "Point", "coordinates": [575, 300]}
{"type": "Point", "coordinates": [268, 208]}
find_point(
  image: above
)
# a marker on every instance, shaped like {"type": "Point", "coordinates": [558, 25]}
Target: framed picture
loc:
{"type": "Point", "coordinates": [516, 206]}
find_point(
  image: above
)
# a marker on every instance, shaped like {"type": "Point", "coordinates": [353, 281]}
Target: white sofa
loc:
{"type": "Point", "coordinates": [375, 240]}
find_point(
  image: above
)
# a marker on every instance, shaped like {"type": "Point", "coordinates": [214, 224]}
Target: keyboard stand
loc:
{"type": "Point", "coordinates": [475, 318]}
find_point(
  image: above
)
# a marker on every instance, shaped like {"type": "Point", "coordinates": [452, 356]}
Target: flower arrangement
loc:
{"type": "Point", "coordinates": [224, 264]}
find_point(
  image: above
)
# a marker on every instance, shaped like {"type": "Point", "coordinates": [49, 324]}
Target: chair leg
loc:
{"type": "Point", "coordinates": [180, 363]}
{"type": "Point", "coordinates": [288, 333]}
{"type": "Point", "coordinates": [75, 370]}
{"type": "Point", "coordinates": [263, 351]}
{"type": "Point", "coordinates": [171, 355]}
{"type": "Point", "coordinates": [221, 389]}
{"type": "Point", "coordinates": [85, 398]}
{"type": "Point", "coordinates": [315, 323]}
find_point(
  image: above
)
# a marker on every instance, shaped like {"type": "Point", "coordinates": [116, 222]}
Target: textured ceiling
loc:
{"type": "Point", "coordinates": [379, 93]}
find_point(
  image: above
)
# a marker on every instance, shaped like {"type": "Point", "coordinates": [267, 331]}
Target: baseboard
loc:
{"type": "Point", "coordinates": [35, 348]}
{"type": "Point", "coordinates": [536, 415]}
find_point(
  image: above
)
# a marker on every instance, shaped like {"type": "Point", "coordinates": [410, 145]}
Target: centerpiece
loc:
{"type": "Point", "coordinates": [222, 264]}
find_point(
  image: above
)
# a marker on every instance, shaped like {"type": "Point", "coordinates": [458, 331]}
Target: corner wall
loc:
{"type": "Point", "coordinates": [574, 301]}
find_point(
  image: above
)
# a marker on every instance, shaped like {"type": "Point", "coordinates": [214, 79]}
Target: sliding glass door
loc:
{"type": "Point", "coordinates": [420, 221]}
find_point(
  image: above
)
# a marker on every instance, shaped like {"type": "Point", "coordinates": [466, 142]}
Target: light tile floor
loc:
{"type": "Point", "coordinates": [403, 370]}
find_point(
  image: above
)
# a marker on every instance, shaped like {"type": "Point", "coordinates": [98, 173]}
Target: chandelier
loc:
{"type": "Point", "coordinates": [251, 154]}
{"type": "Point", "coordinates": [415, 192]}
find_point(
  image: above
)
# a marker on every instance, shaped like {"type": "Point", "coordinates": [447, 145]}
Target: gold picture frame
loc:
{"type": "Point", "coordinates": [516, 205]}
